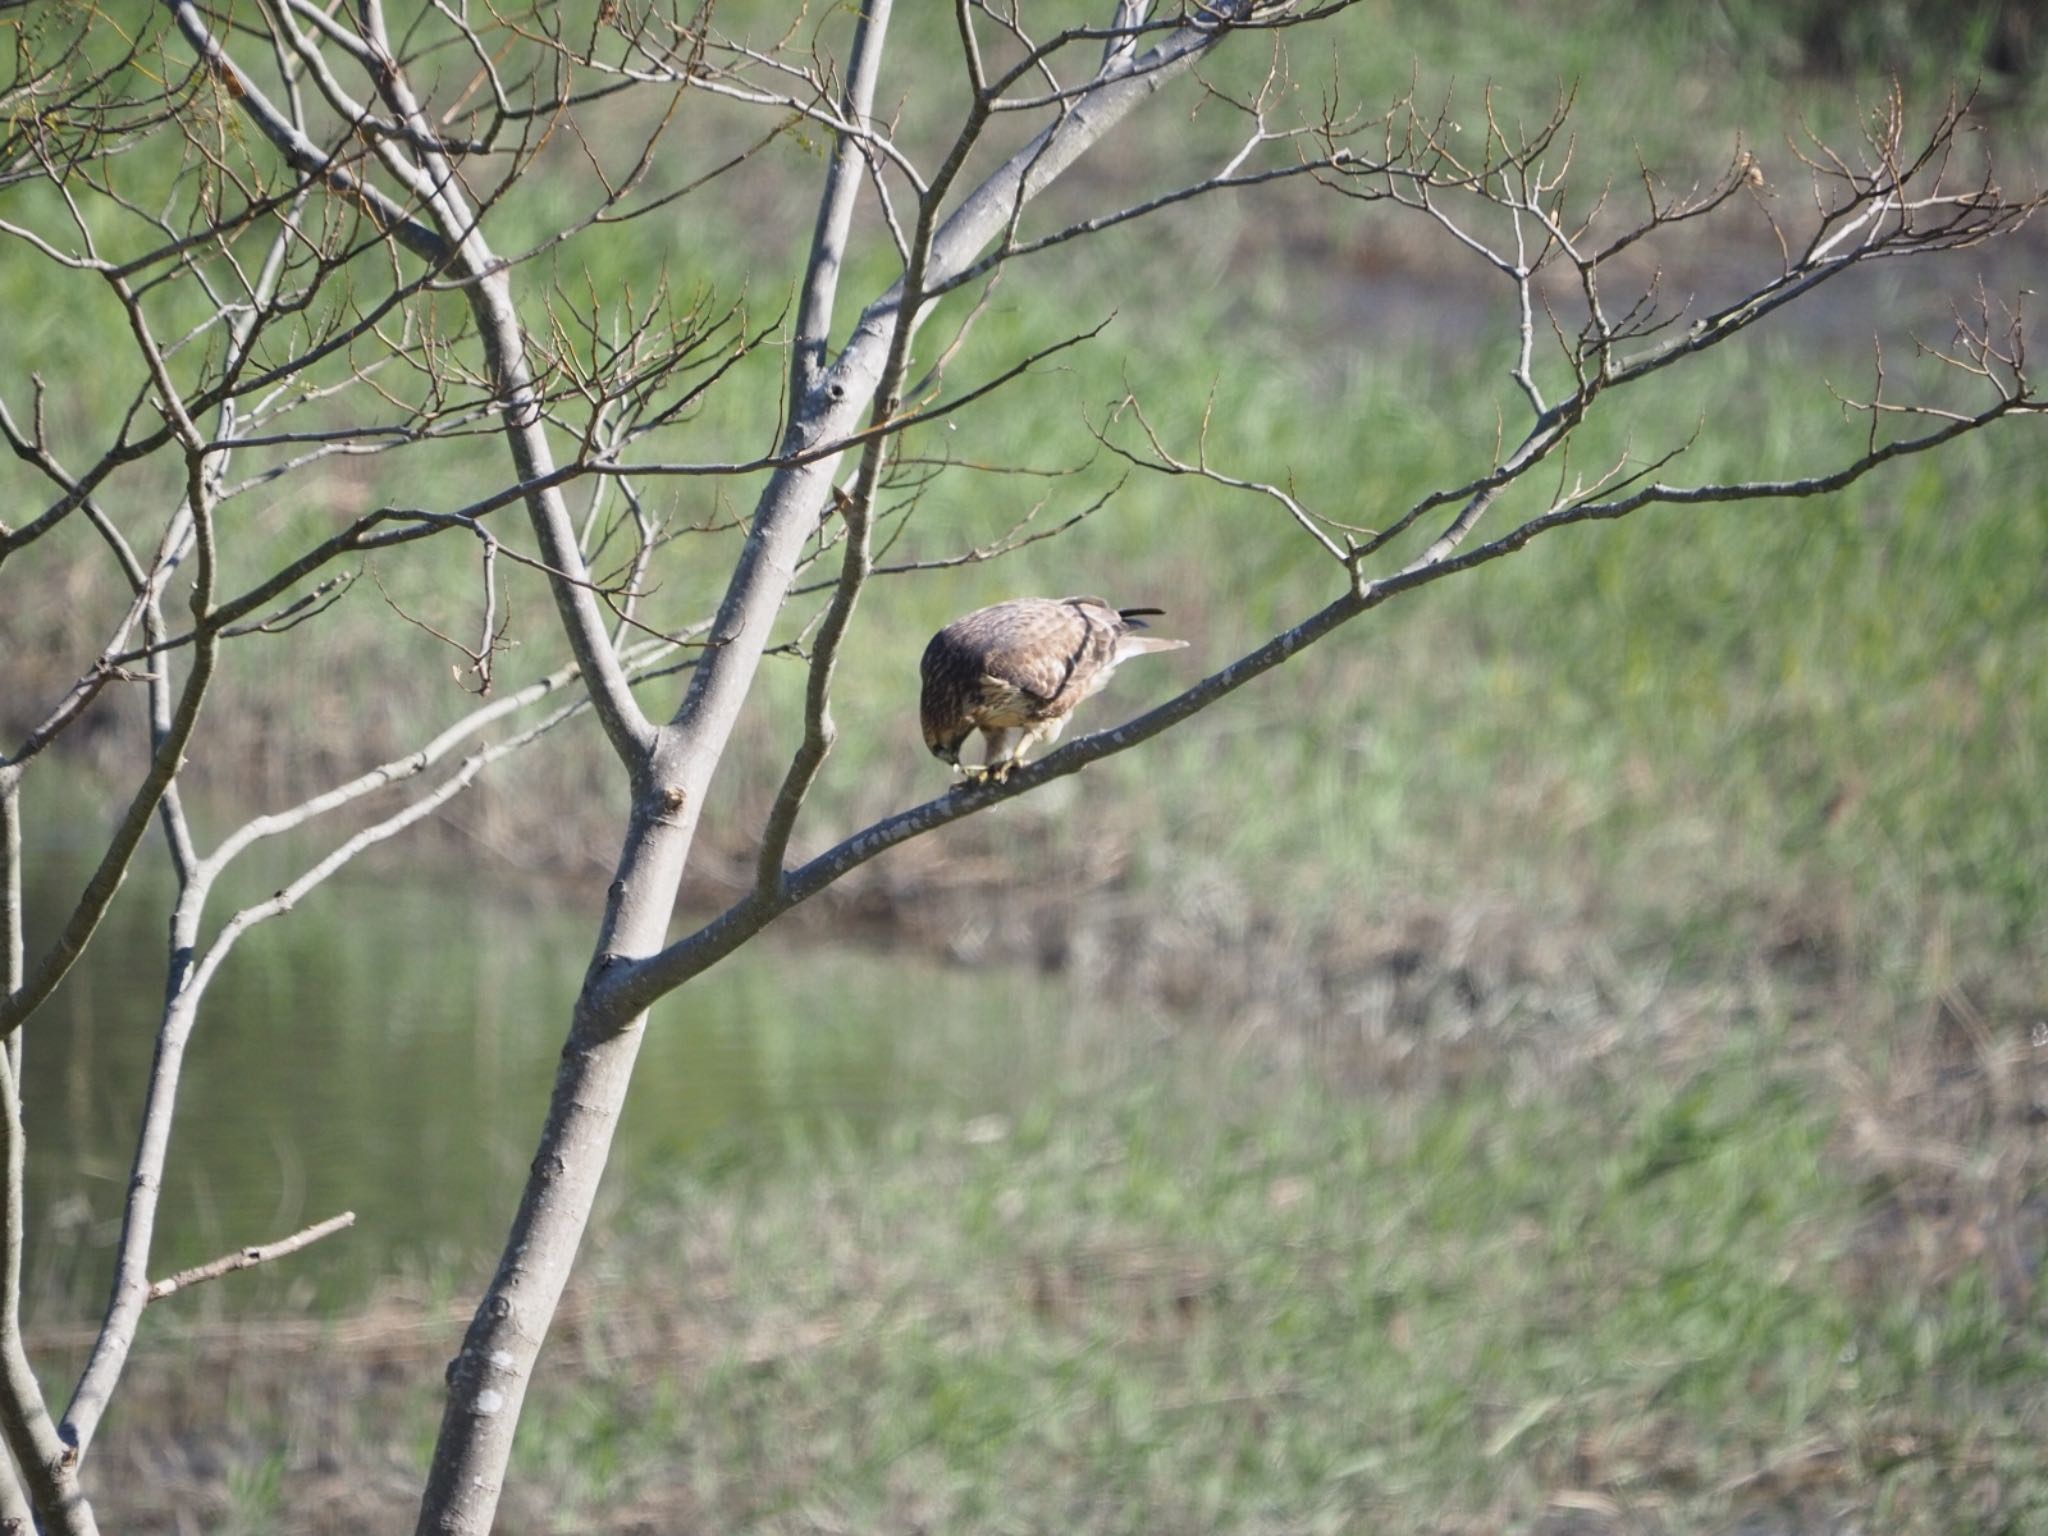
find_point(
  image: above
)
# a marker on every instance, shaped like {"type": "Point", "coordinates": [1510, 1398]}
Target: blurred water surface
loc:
{"type": "Point", "coordinates": [388, 1048]}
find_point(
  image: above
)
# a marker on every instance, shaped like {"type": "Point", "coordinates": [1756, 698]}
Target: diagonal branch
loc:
{"type": "Point", "coordinates": [638, 985]}
{"type": "Point", "coordinates": [300, 152]}
{"type": "Point", "coordinates": [836, 206]}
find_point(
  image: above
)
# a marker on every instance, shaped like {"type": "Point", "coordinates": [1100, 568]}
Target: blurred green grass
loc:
{"type": "Point", "coordinates": [1307, 1311]}
{"type": "Point", "coordinates": [1665, 1288]}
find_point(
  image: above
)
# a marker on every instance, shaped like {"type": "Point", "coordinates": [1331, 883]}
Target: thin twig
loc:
{"type": "Point", "coordinates": [249, 1258]}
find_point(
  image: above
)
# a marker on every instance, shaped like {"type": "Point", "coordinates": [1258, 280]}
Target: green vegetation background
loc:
{"type": "Point", "coordinates": [1706, 1193]}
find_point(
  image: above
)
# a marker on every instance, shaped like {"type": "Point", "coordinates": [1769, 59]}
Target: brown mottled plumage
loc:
{"type": "Point", "coordinates": [1022, 666]}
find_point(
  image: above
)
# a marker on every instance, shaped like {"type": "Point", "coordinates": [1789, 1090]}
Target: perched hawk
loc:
{"type": "Point", "coordinates": [1022, 666]}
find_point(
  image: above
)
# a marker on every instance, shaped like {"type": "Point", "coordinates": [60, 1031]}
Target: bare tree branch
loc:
{"type": "Point", "coordinates": [131, 1289]}
{"type": "Point", "coordinates": [249, 1258]}
{"type": "Point", "coordinates": [40, 981]}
